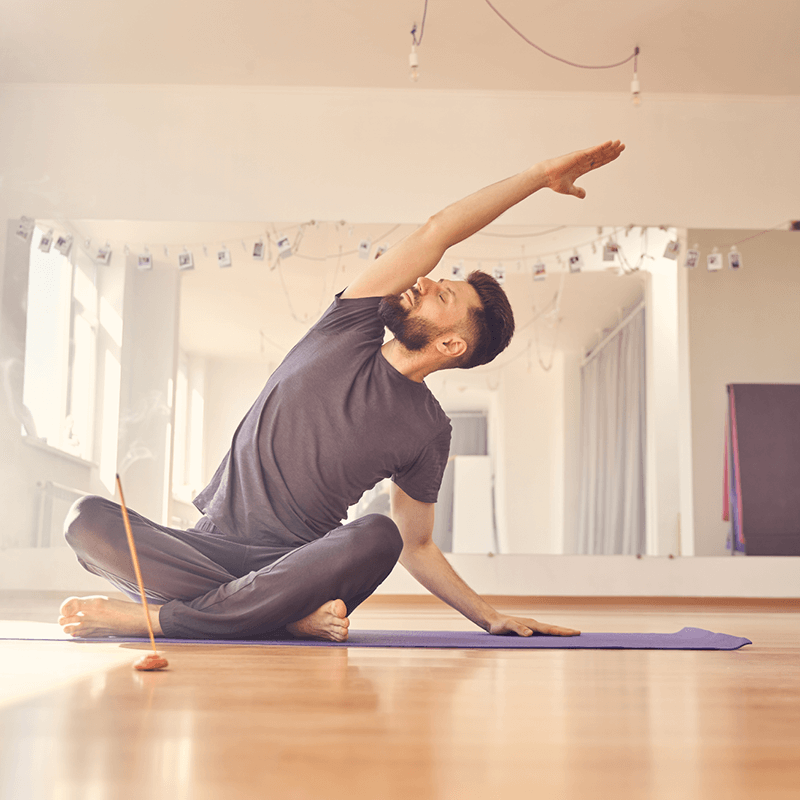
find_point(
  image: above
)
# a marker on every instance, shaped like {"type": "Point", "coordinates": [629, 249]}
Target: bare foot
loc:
{"type": "Point", "coordinates": [329, 622]}
{"type": "Point", "coordinates": [100, 616]}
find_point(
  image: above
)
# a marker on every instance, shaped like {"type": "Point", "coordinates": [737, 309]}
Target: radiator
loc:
{"type": "Point", "coordinates": [55, 500]}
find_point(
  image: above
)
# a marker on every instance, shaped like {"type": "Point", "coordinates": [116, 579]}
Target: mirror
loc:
{"type": "Point", "coordinates": [142, 367]}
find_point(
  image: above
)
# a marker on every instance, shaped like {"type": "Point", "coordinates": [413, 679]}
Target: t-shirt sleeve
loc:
{"type": "Point", "coordinates": [422, 478]}
{"type": "Point", "coordinates": [357, 316]}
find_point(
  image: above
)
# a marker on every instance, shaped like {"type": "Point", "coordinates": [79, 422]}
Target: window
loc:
{"type": "Point", "coordinates": [61, 349]}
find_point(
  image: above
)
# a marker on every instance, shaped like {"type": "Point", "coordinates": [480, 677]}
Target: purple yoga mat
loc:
{"type": "Point", "coordinates": [686, 639]}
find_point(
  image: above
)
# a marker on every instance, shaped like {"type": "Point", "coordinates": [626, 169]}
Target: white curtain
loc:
{"type": "Point", "coordinates": [612, 510]}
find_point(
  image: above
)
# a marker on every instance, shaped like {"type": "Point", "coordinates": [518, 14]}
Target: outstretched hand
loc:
{"type": "Point", "coordinates": [527, 627]}
{"type": "Point", "coordinates": [562, 172]}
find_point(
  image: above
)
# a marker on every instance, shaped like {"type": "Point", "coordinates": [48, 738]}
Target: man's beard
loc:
{"type": "Point", "coordinates": [413, 333]}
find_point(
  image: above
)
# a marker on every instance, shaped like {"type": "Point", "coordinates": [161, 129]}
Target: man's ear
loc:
{"type": "Point", "coordinates": [451, 346]}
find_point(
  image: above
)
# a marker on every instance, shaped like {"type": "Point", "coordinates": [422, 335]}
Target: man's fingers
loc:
{"type": "Point", "coordinates": [555, 630]}
{"type": "Point", "coordinates": [552, 630]}
{"type": "Point", "coordinates": [523, 626]}
{"type": "Point", "coordinates": [603, 154]}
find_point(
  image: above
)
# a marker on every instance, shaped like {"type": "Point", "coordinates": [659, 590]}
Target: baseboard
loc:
{"type": "Point", "coordinates": [57, 569]}
{"type": "Point", "coordinates": [774, 605]}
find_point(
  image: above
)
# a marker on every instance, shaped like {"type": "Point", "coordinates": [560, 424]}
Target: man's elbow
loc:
{"type": "Point", "coordinates": [414, 550]}
{"type": "Point", "coordinates": [434, 228]}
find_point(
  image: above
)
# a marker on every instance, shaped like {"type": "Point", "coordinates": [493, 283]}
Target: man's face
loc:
{"type": "Point", "coordinates": [427, 310]}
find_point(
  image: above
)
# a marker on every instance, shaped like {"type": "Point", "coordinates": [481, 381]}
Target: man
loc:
{"type": "Point", "coordinates": [343, 410]}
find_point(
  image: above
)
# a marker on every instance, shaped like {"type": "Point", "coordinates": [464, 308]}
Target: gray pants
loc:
{"type": "Point", "coordinates": [213, 587]}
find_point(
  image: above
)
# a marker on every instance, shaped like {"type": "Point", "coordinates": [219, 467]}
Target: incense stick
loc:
{"type": "Point", "coordinates": [136, 569]}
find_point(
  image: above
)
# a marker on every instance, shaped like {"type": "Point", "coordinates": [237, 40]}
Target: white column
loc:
{"type": "Point", "coordinates": [662, 495]}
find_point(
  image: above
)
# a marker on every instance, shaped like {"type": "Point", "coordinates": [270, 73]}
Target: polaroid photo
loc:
{"type": "Point", "coordinates": [499, 274]}
{"type": "Point", "coordinates": [145, 260]}
{"type": "Point", "coordinates": [364, 246]}
{"type": "Point", "coordinates": [258, 251]}
{"type": "Point", "coordinates": [381, 250]}
{"type": "Point", "coordinates": [284, 247]}
{"type": "Point", "coordinates": [25, 228]}
{"type": "Point", "coordinates": [47, 241]}
{"type": "Point", "coordinates": [64, 244]}
{"type": "Point", "coordinates": [692, 257]}
{"type": "Point", "coordinates": [185, 260]}
{"type": "Point", "coordinates": [610, 251]}
{"type": "Point", "coordinates": [734, 259]}
{"type": "Point", "coordinates": [539, 271]}
{"type": "Point", "coordinates": [103, 255]}
{"type": "Point", "coordinates": [457, 271]}
{"type": "Point", "coordinates": [672, 249]}
{"type": "Point", "coordinates": [714, 262]}
{"type": "Point", "coordinates": [576, 263]}
{"type": "Point", "coordinates": [224, 257]}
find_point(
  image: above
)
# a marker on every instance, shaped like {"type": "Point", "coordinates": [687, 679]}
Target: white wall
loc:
{"type": "Point", "coordinates": [231, 387]}
{"type": "Point", "coordinates": [744, 327]}
{"type": "Point", "coordinates": [147, 411]}
{"type": "Point", "coordinates": [240, 153]}
{"type": "Point", "coordinates": [532, 409]}
{"type": "Point", "coordinates": [571, 410]}
{"type": "Point", "coordinates": [662, 482]}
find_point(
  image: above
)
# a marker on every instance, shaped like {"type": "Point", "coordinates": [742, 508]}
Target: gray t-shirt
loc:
{"type": "Point", "coordinates": [333, 419]}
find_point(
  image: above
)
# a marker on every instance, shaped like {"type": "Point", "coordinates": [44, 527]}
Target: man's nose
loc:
{"type": "Point", "coordinates": [424, 284]}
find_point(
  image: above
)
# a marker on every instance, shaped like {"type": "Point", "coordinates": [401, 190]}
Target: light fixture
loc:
{"type": "Point", "coordinates": [413, 63]}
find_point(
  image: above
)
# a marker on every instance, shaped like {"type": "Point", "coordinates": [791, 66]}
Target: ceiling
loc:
{"type": "Point", "coordinates": [687, 46]}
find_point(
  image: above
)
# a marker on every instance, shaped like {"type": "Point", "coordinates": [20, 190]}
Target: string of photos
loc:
{"type": "Point", "coordinates": [274, 248]}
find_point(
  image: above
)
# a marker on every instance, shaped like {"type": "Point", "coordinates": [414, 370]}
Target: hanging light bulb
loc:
{"type": "Point", "coordinates": [635, 89]}
{"type": "Point", "coordinates": [635, 98]}
{"type": "Point", "coordinates": [413, 63]}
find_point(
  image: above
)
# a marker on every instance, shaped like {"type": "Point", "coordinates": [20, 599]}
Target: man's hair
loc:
{"type": "Point", "coordinates": [489, 328]}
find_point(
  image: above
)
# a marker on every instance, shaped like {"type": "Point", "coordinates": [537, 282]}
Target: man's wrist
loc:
{"type": "Point", "coordinates": [492, 620]}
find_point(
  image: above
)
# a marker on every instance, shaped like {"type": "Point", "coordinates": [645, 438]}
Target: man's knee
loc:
{"type": "Point", "coordinates": [87, 521]}
{"type": "Point", "coordinates": [384, 536]}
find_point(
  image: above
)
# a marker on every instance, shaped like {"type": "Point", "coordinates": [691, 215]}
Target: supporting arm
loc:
{"type": "Point", "coordinates": [425, 561]}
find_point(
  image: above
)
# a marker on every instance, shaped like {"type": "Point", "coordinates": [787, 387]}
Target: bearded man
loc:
{"type": "Point", "coordinates": [344, 410]}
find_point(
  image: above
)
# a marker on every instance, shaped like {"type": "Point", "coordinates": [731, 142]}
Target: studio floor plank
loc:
{"type": "Point", "coordinates": [238, 722]}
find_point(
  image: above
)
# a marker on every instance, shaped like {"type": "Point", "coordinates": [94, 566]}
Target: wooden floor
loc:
{"type": "Point", "coordinates": [76, 721]}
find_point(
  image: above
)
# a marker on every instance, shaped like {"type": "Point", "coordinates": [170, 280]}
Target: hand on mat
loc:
{"type": "Point", "coordinates": [527, 627]}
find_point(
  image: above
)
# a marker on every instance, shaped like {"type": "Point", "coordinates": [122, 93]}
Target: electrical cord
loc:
{"type": "Point", "coordinates": [519, 33]}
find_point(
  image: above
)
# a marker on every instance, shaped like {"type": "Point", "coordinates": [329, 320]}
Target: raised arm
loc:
{"type": "Point", "coordinates": [400, 267]}
{"type": "Point", "coordinates": [424, 560]}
